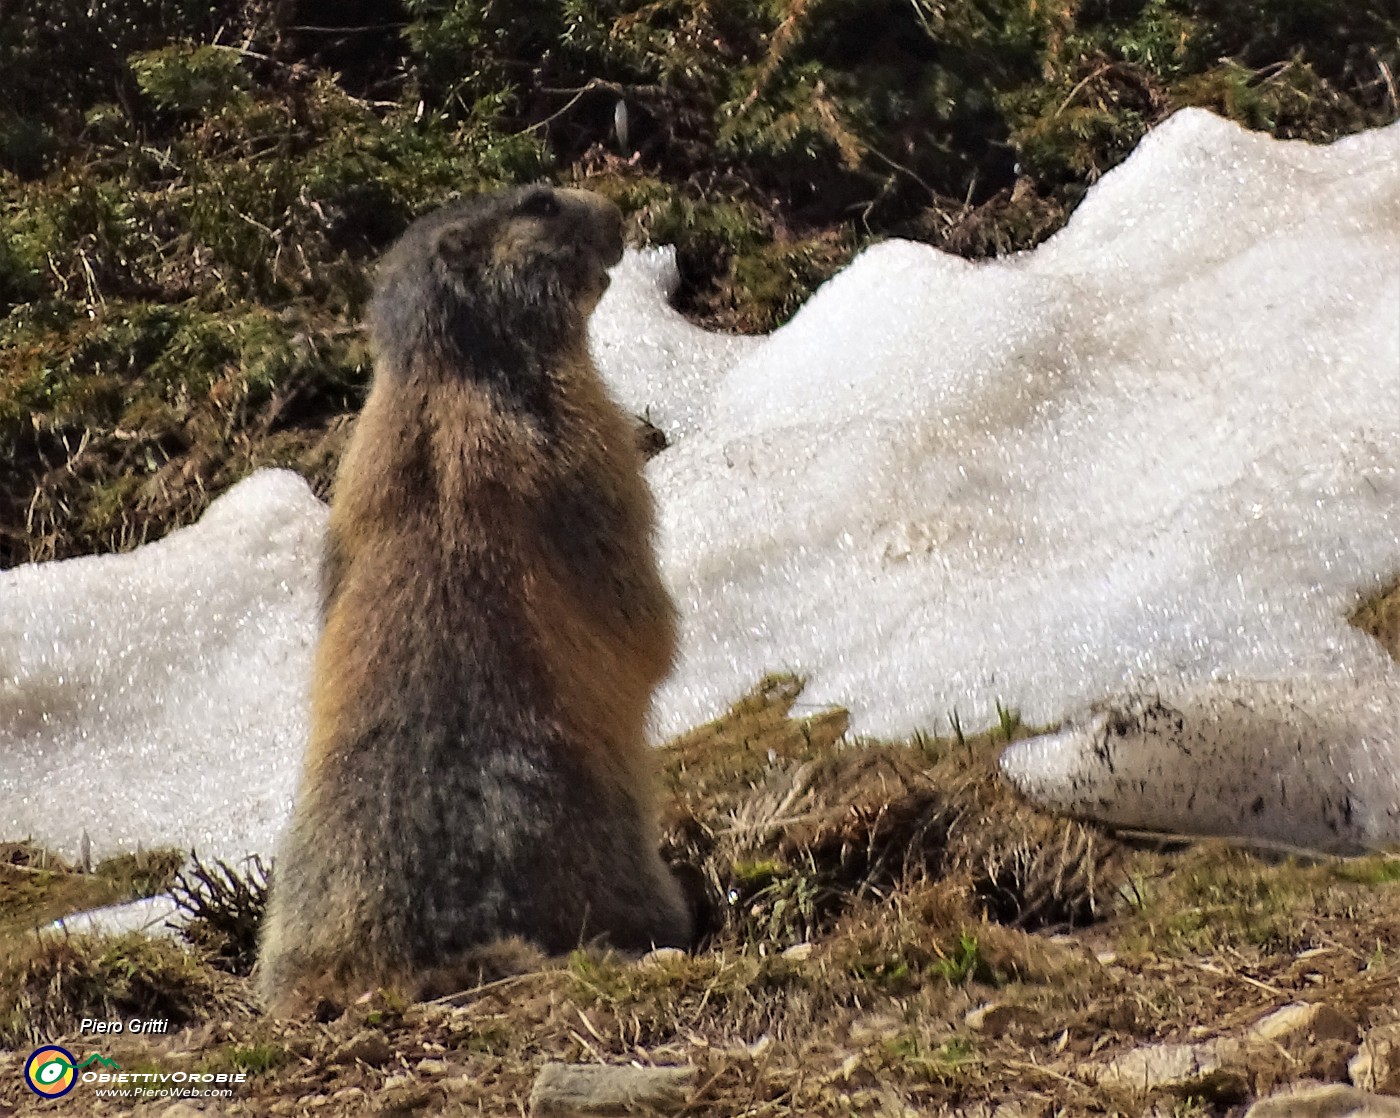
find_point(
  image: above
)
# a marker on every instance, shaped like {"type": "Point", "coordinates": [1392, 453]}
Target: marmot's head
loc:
{"type": "Point", "coordinates": [488, 283]}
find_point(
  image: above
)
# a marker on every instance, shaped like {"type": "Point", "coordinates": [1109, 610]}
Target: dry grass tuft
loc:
{"type": "Point", "coordinates": [49, 983]}
{"type": "Point", "coordinates": [790, 826]}
{"type": "Point", "coordinates": [225, 906]}
{"type": "Point", "coordinates": [1380, 617]}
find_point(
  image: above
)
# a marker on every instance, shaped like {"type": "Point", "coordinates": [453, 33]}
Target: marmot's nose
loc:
{"type": "Point", "coordinates": [612, 243]}
{"type": "Point", "coordinates": [604, 223]}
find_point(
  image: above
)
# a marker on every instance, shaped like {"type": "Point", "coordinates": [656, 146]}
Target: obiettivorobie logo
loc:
{"type": "Point", "coordinates": [51, 1072]}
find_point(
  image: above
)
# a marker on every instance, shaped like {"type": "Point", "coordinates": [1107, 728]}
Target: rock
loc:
{"type": "Point", "coordinates": [799, 952]}
{"type": "Point", "coordinates": [604, 1091]}
{"type": "Point", "coordinates": [432, 1067]}
{"type": "Point", "coordinates": [183, 1110]}
{"type": "Point", "coordinates": [1317, 1038]}
{"type": "Point", "coordinates": [1305, 1021]}
{"type": "Point", "coordinates": [1333, 1101]}
{"type": "Point", "coordinates": [1198, 1068]}
{"type": "Point", "coordinates": [365, 1047]}
{"type": "Point", "coordinates": [1377, 1065]}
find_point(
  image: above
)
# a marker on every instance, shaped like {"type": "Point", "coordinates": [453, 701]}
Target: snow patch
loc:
{"type": "Point", "coordinates": [1159, 454]}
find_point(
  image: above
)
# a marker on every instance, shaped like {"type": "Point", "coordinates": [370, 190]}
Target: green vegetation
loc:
{"type": "Point", "coordinates": [1375, 870]}
{"type": "Point", "coordinates": [1220, 899]}
{"type": "Point", "coordinates": [191, 195]}
{"type": "Point", "coordinates": [140, 875]}
{"type": "Point", "coordinates": [253, 1058]}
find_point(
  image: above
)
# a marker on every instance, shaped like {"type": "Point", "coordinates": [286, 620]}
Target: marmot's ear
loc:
{"type": "Point", "coordinates": [458, 245]}
{"type": "Point", "coordinates": [540, 202]}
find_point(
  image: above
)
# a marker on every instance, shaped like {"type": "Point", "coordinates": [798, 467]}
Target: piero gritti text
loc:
{"type": "Point", "coordinates": [136, 1026]}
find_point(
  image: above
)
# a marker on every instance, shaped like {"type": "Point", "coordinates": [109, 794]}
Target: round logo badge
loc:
{"type": "Point", "coordinates": [49, 1071]}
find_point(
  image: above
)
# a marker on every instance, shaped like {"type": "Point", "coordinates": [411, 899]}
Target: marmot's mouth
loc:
{"type": "Point", "coordinates": [590, 277]}
{"type": "Point", "coordinates": [609, 246]}
{"type": "Point", "coordinates": [600, 281]}
{"type": "Point", "coordinates": [612, 253]}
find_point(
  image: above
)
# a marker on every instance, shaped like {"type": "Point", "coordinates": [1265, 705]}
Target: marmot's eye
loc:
{"type": "Point", "coordinates": [542, 203]}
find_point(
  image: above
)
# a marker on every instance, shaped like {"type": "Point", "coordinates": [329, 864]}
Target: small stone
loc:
{"type": "Point", "coordinates": [349, 1095]}
{"type": "Point", "coordinates": [1307, 1022]}
{"type": "Point", "coordinates": [432, 1067]}
{"type": "Point", "coordinates": [395, 1081]}
{"type": "Point", "coordinates": [799, 952]}
{"type": "Point", "coordinates": [1377, 1065]}
{"type": "Point", "coordinates": [1318, 1039]}
{"type": "Point", "coordinates": [1198, 1068]}
{"type": "Point", "coordinates": [605, 1091]}
{"type": "Point", "coordinates": [366, 1047]}
{"type": "Point", "coordinates": [433, 1013]}
{"type": "Point", "coordinates": [1333, 1101]}
{"type": "Point", "coordinates": [315, 1102]}
{"type": "Point", "coordinates": [660, 955]}
{"type": "Point", "coordinates": [748, 1050]}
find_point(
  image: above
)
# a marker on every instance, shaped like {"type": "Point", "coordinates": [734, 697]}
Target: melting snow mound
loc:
{"type": "Point", "coordinates": [158, 698]}
{"type": "Point", "coordinates": [1158, 453]}
{"type": "Point", "coordinates": [1163, 445]}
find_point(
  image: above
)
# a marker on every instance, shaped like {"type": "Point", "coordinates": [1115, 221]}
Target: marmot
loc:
{"type": "Point", "coordinates": [494, 625]}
